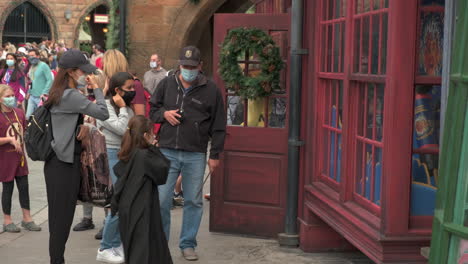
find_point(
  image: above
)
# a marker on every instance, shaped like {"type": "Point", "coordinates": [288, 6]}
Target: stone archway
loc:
{"type": "Point", "coordinates": [41, 5]}
{"type": "Point", "coordinates": [198, 17]}
{"type": "Point", "coordinates": [84, 13]}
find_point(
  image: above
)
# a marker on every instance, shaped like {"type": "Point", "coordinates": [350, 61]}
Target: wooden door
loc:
{"type": "Point", "coordinates": [248, 192]}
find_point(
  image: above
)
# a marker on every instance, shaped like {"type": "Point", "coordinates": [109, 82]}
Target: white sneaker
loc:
{"type": "Point", "coordinates": [119, 250]}
{"type": "Point", "coordinates": [109, 256]}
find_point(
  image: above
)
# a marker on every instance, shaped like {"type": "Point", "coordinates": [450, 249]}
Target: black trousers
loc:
{"type": "Point", "coordinates": [7, 193]}
{"type": "Point", "coordinates": [63, 185]}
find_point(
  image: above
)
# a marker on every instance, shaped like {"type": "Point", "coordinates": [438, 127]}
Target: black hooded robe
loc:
{"type": "Point", "coordinates": [136, 199]}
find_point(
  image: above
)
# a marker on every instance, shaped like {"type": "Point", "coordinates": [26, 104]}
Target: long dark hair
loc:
{"type": "Point", "coordinates": [16, 71]}
{"type": "Point", "coordinates": [134, 137]}
{"type": "Point", "coordinates": [62, 81]}
{"type": "Point", "coordinates": [117, 81]}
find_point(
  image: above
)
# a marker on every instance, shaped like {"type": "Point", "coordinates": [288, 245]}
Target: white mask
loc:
{"type": "Point", "coordinates": [153, 65]}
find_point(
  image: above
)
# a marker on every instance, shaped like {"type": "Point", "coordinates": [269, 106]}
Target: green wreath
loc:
{"type": "Point", "coordinates": [257, 42]}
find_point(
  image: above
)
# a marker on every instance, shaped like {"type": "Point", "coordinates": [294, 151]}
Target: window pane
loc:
{"type": "Point", "coordinates": [336, 48]}
{"type": "Point", "coordinates": [425, 159]}
{"type": "Point", "coordinates": [343, 52]}
{"type": "Point", "coordinates": [360, 168]}
{"type": "Point", "coordinates": [324, 49]}
{"type": "Point", "coordinates": [369, 160]}
{"type": "Point", "coordinates": [376, 4]}
{"type": "Point", "coordinates": [367, 5]}
{"type": "Point", "coordinates": [431, 43]}
{"type": "Point", "coordinates": [383, 50]}
{"type": "Point", "coordinates": [254, 70]}
{"type": "Point", "coordinates": [357, 46]}
{"type": "Point", "coordinates": [332, 137]}
{"type": "Point", "coordinates": [329, 48]}
{"type": "Point", "coordinates": [277, 112]}
{"type": "Point", "coordinates": [242, 66]}
{"type": "Point", "coordinates": [326, 150]}
{"type": "Point", "coordinates": [375, 44]}
{"type": "Point", "coordinates": [377, 175]}
{"type": "Point", "coordinates": [427, 116]}
{"type": "Point", "coordinates": [256, 113]}
{"type": "Point", "coordinates": [235, 111]}
{"type": "Point", "coordinates": [364, 170]}
{"type": "Point", "coordinates": [458, 250]}
{"type": "Point", "coordinates": [338, 7]}
{"type": "Point", "coordinates": [364, 60]}
{"type": "Point", "coordinates": [331, 9]}
{"type": "Point", "coordinates": [361, 44]}
{"type": "Point", "coordinates": [380, 111]}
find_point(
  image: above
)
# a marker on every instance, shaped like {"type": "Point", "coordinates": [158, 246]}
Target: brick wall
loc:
{"type": "Point", "coordinates": [54, 11]}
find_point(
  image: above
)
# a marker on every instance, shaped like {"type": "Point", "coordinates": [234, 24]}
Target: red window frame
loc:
{"type": "Point", "coordinates": [329, 76]}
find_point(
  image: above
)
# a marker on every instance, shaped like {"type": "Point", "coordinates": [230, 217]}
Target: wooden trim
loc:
{"type": "Point", "coordinates": [398, 112]}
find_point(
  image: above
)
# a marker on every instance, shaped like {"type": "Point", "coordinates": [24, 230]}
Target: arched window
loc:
{"type": "Point", "coordinates": [26, 23]}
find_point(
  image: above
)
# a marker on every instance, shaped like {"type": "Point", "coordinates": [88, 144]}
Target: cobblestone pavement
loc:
{"type": "Point", "coordinates": [32, 248]}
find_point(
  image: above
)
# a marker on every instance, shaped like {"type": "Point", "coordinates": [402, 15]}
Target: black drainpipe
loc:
{"type": "Point", "coordinates": [290, 237]}
{"type": "Point", "coordinates": [123, 25]}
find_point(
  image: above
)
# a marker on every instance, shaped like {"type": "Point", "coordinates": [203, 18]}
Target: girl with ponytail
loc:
{"type": "Point", "coordinates": [141, 168]}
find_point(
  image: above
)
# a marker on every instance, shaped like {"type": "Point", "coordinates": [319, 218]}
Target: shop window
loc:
{"type": "Point", "coordinates": [370, 39]}
{"type": "Point", "coordinates": [332, 130]}
{"type": "Point", "coordinates": [264, 112]}
{"type": "Point", "coordinates": [431, 32]}
{"type": "Point", "coordinates": [331, 89]}
{"type": "Point", "coordinates": [369, 141]}
{"type": "Point", "coordinates": [370, 21]}
{"type": "Point", "coordinates": [333, 33]}
{"type": "Point", "coordinates": [427, 102]}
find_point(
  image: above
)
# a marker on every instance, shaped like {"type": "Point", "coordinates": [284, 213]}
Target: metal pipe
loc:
{"type": "Point", "coordinates": [291, 237]}
{"type": "Point", "coordinates": [122, 26]}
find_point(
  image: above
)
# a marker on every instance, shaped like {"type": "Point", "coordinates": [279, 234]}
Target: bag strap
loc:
{"type": "Point", "coordinates": [11, 123]}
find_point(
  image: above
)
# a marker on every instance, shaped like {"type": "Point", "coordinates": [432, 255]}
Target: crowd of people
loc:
{"type": "Point", "coordinates": [156, 137]}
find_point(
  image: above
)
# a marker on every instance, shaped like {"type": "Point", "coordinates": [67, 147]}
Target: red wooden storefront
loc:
{"type": "Point", "coordinates": [370, 163]}
{"type": "Point", "coordinates": [371, 101]}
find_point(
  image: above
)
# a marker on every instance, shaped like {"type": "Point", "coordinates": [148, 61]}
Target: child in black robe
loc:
{"type": "Point", "coordinates": [141, 169]}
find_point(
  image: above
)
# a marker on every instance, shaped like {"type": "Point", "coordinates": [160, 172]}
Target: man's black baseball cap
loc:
{"type": "Point", "coordinates": [190, 56]}
{"type": "Point", "coordinates": [75, 59]}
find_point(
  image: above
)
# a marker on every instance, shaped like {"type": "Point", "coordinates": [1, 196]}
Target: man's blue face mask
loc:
{"type": "Point", "coordinates": [189, 75]}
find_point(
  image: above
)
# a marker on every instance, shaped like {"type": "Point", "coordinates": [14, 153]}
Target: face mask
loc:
{"type": "Point", "coordinates": [55, 57]}
{"type": "Point", "coordinates": [189, 75]}
{"type": "Point", "coordinates": [10, 63]}
{"type": "Point", "coordinates": [128, 97]}
{"type": "Point", "coordinates": [33, 60]}
{"type": "Point", "coordinates": [9, 101]}
{"type": "Point", "coordinates": [153, 65]}
{"type": "Point", "coordinates": [81, 81]}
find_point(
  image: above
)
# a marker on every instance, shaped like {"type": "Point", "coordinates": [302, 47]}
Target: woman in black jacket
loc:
{"type": "Point", "coordinates": [141, 169]}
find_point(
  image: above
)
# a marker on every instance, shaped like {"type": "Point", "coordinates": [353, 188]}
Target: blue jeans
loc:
{"type": "Point", "coordinates": [33, 104]}
{"type": "Point", "coordinates": [111, 232]}
{"type": "Point", "coordinates": [192, 166]}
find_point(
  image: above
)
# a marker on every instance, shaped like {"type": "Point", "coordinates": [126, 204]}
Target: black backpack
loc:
{"type": "Point", "coordinates": [38, 135]}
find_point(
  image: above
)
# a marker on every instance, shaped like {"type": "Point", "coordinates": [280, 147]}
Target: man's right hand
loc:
{"type": "Point", "coordinates": [171, 117]}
